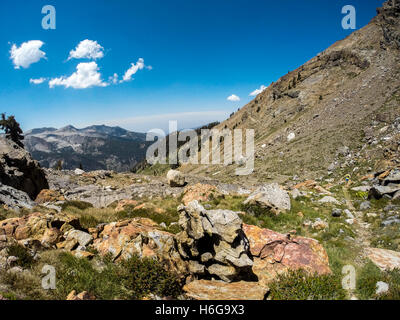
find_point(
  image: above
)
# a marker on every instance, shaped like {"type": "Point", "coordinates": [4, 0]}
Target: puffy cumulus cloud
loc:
{"type": "Point", "coordinates": [86, 76]}
{"type": "Point", "coordinates": [258, 91]}
{"type": "Point", "coordinates": [87, 49]}
{"type": "Point", "coordinates": [233, 97]}
{"type": "Point", "coordinates": [133, 69]}
{"type": "Point", "coordinates": [37, 81]}
{"type": "Point", "coordinates": [27, 54]}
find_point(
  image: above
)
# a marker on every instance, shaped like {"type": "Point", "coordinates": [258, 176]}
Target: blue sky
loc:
{"type": "Point", "coordinates": [201, 52]}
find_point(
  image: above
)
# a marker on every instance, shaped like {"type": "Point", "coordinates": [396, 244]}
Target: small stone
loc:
{"type": "Point", "coordinates": [365, 205]}
{"type": "Point", "coordinates": [381, 287]}
{"type": "Point", "coordinates": [348, 214]}
{"type": "Point", "coordinates": [336, 212]}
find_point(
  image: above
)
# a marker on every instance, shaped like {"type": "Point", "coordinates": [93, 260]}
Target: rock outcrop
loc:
{"type": "Point", "coordinates": [387, 184]}
{"type": "Point", "coordinates": [141, 237]}
{"type": "Point", "coordinates": [383, 258]}
{"type": "Point", "coordinates": [41, 229]}
{"type": "Point", "coordinates": [275, 253]}
{"type": "Point", "coordinates": [14, 199]}
{"type": "Point", "coordinates": [214, 243]}
{"type": "Point", "coordinates": [19, 170]}
{"type": "Point", "coordinates": [271, 197]}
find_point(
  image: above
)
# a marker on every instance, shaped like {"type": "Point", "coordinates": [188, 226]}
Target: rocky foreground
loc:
{"type": "Point", "coordinates": [215, 240]}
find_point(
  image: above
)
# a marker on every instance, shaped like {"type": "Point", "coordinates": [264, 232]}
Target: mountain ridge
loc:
{"type": "Point", "coordinates": [94, 148]}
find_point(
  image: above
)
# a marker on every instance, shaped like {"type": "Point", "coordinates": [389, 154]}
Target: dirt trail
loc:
{"type": "Point", "coordinates": [361, 228]}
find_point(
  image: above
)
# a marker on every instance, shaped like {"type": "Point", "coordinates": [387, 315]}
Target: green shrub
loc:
{"type": "Point", "coordinates": [368, 277]}
{"type": "Point", "coordinates": [298, 285]}
{"type": "Point", "coordinates": [131, 279]}
{"type": "Point", "coordinates": [25, 259]}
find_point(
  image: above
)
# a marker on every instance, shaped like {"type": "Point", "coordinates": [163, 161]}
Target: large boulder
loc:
{"type": "Point", "coordinates": [219, 290]}
{"type": "Point", "coordinates": [175, 178]}
{"type": "Point", "coordinates": [270, 196]}
{"type": "Point", "coordinates": [383, 258]}
{"type": "Point", "coordinates": [214, 243]}
{"type": "Point", "coordinates": [19, 170]}
{"type": "Point", "coordinates": [276, 253]}
{"type": "Point", "coordinates": [378, 191]}
{"type": "Point", "coordinates": [141, 237]}
{"type": "Point", "coordinates": [14, 199]}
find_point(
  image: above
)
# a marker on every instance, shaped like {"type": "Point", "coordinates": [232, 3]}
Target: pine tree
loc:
{"type": "Point", "coordinates": [58, 165]}
{"type": "Point", "coordinates": [12, 129]}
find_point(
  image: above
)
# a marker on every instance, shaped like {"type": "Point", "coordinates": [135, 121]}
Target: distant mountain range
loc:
{"type": "Point", "coordinates": [94, 147]}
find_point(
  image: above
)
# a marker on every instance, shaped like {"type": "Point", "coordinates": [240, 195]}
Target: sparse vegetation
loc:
{"type": "Point", "coordinates": [298, 285]}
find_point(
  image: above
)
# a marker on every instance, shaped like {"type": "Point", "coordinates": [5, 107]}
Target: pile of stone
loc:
{"type": "Point", "coordinates": [213, 243]}
{"type": "Point", "coordinates": [386, 184]}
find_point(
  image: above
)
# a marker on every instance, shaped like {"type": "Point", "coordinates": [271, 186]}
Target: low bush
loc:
{"type": "Point", "coordinates": [299, 285]}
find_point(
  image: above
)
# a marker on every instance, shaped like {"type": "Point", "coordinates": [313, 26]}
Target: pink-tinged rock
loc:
{"type": "Point", "coordinates": [275, 253]}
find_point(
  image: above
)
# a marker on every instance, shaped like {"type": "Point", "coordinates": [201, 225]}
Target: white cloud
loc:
{"type": "Point", "coordinates": [113, 79]}
{"type": "Point", "coordinates": [87, 49]}
{"type": "Point", "coordinates": [258, 91]}
{"type": "Point", "coordinates": [86, 76]}
{"type": "Point", "coordinates": [27, 54]}
{"type": "Point", "coordinates": [233, 97]}
{"type": "Point", "coordinates": [37, 81]}
{"type": "Point", "coordinates": [133, 69]}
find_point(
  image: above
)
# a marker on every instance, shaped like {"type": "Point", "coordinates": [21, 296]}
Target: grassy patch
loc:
{"type": "Point", "coordinates": [298, 285]}
{"type": "Point", "coordinates": [368, 277]}
{"type": "Point", "coordinates": [129, 280]}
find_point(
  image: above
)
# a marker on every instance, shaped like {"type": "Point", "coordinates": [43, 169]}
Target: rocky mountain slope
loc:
{"type": "Point", "coordinates": [322, 117]}
{"type": "Point", "coordinates": [95, 147]}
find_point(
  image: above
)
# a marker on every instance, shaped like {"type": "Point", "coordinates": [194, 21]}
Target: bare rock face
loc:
{"type": "Point", "coordinates": [219, 290]}
{"type": "Point", "coordinates": [14, 199]}
{"type": "Point", "coordinates": [213, 242]}
{"type": "Point", "coordinates": [275, 253]}
{"type": "Point", "coordinates": [270, 196]}
{"type": "Point", "coordinates": [19, 170]}
{"type": "Point", "coordinates": [175, 178]}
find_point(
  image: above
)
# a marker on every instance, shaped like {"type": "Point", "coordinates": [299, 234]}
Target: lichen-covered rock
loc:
{"type": "Point", "coordinates": [275, 253]}
{"type": "Point", "coordinates": [46, 228]}
{"type": "Point", "coordinates": [271, 197]}
{"type": "Point", "coordinates": [19, 170]}
{"type": "Point", "coordinates": [219, 290]}
{"type": "Point", "coordinates": [47, 195]}
{"type": "Point", "coordinates": [214, 239]}
{"type": "Point", "coordinates": [141, 237]}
